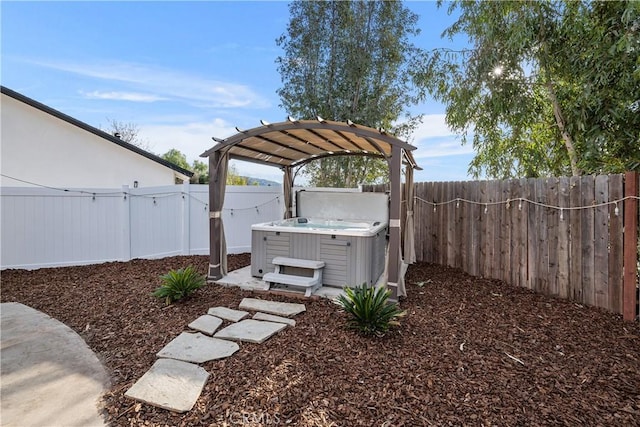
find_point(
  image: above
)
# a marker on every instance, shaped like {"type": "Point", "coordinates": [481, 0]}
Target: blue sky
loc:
{"type": "Point", "coordinates": [184, 71]}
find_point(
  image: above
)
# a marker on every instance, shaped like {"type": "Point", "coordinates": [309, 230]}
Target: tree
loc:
{"type": "Point", "coordinates": [606, 77]}
{"type": "Point", "coordinates": [128, 132]}
{"type": "Point", "coordinates": [177, 158]}
{"type": "Point", "coordinates": [348, 61]}
{"type": "Point", "coordinates": [200, 172]}
{"type": "Point", "coordinates": [233, 178]}
{"type": "Point", "coordinates": [548, 88]}
{"type": "Point", "coordinates": [201, 169]}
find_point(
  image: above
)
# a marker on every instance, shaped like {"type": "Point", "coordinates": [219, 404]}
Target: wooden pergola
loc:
{"type": "Point", "coordinates": [294, 143]}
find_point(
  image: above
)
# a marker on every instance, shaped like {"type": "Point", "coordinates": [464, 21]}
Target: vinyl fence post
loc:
{"type": "Point", "coordinates": [186, 218]}
{"type": "Point", "coordinates": [125, 215]}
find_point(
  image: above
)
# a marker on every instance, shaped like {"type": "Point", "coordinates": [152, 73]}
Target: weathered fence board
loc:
{"type": "Point", "coordinates": [553, 221]}
{"type": "Point", "coordinates": [588, 238]}
{"type": "Point", "coordinates": [630, 289]}
{"type": "Point", "coordinates": [575, 273]}
{"type": "Point", "coordinates": [557, 236]}
{"type": "Point", "coordinates": [616, 253]}
{"type": "Point", "coordinates": [601, 242]}
{"type": "Point", "coordinates": [564, 241]}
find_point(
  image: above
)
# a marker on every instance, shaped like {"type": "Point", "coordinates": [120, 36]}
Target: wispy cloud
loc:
{"type": "Point", "coordinates": [441, 147]}
{"type": "Point", "coordinates": [434, 139]}
{"type": "Point", "coordinates": [123, 96]}
{"type": "Point", "coordinates": [165, 83]}
{"type": "Point", "coordinates": [191, 138]}
{"type": "Point", "coordinates": [433, 125]}
{"type": "Point", "coordinates": [443, 169]}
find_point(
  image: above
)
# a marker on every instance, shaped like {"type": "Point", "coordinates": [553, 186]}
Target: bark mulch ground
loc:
{"type": "Point", "coordinates": [470, 351]}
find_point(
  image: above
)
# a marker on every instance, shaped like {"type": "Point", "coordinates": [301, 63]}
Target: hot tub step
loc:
{"type": "Point", "coordinates": [305, 265]}
{"type": "Point", "coordinates": [310, 283]}
{"type": "Point", "coordinates": [297, 262]}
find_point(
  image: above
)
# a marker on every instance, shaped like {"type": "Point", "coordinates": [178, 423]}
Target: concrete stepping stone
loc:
{"type": "Point", "coordinates": [197, 348]}
{"type": "Point", "coordinates": [206, 324]}
{"type": "Point", "coordinates": [170, 384]}
{"type": "Point", "coordinates": [285, 309]}
{"type": "Point", "coordinates": [272, 318]}
{"type": "Point", "coordinates": [250, 330]}
{"type": "Point", "coordinates": [228, 313]}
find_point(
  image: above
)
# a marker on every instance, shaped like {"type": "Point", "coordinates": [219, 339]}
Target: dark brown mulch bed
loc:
{"type": "Point", "coordinates": [471, 351]}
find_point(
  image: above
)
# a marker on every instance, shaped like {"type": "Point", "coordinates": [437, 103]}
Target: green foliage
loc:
{"type": "Point", "coordinates": [371, 312]}
{"type": "Point", "coordinates": [200, 172]}
{"type": "Point", "coordinates": [233, 178]}
{"type": "Point", "coordinates": [200, 169]}
{"type": "Point", "coordinates": [346, 171]}
{"type": "Point", "coordinates": [548, 87]}
{"type": "Point", "coordinates": [177, 158]}
{"type": "Point", "coordinates": [179, 284]}
{"type": "Point", "coordinates": [348, 61]}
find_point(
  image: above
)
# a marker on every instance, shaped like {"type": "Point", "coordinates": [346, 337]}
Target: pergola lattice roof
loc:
{"type": "Point", "coordinates": [296, 142]}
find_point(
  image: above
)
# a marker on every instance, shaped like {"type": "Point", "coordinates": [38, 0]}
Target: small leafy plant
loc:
{"type": "Point", "coordinates": [372, 313]}
{"type": "Point", "coordinates": [178, 284]}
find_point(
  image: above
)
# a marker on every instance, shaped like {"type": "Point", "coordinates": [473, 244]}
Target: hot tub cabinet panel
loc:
{"type": "Point", "coordinates": [269, 244]}
{"type": "Point", "coordinates": [349, 260]}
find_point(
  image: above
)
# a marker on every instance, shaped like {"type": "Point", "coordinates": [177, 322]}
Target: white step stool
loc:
{"type": "Point", "coordinates": [311, 283]}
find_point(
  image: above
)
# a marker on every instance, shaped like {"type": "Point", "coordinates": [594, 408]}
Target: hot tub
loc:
{"type": "Point", "coordinates": [353, 250]}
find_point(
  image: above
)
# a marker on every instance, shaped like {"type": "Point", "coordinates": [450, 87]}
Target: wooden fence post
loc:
{"type": "Point", "coordinates": [630, 245]}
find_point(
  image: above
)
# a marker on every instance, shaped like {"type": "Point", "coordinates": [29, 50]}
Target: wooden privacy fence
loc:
{"type": "Point", "coordinates": [574, 237]}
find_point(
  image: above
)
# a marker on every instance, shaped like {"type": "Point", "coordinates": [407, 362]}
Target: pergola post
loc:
{"type": "Point", "coordinates": [394, 271]}
{"type": "Point", "coordinates": [217, 243]}
{"type": "Point", "coordinates": [287, 186]}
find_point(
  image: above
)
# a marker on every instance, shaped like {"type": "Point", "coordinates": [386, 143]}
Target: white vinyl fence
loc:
{"type": "Point", "coordinates": [43, 227]}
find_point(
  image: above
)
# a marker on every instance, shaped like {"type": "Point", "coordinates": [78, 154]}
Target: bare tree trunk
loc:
{"type": "Point", "coordinates": [567, 138]}
{"type": "Point", "coordinates": [557, 111]}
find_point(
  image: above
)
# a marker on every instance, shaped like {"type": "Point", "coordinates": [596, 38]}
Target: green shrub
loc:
{"type": "Point", "coordinates": [371, 313]}
{"type": "Point", "coordinates": [178, 284]}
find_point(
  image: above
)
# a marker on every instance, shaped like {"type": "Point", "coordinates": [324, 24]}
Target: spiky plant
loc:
{"type": "Point", "coordinates": [371, 312]}
{"type": "Point", "coordinates": [178, 284]}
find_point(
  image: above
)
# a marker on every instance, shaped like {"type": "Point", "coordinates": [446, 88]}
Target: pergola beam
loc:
{"type": "Point", "coordinates": [310, 125]}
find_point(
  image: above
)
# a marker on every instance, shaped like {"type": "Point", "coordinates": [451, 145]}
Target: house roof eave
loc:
{"type": "Point", "coordinates": [91, 129]}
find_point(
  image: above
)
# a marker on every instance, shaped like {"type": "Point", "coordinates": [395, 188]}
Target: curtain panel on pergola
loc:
{"type": "Point", "coordinates": [218, 164]}
{"type": "Point", "coordinates": [294, 143]}
{"type": "Point", "coordinates": [409, 233]}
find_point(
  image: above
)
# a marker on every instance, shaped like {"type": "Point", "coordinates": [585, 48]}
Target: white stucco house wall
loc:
{"type": "Point", "coordinates": [43, 146]}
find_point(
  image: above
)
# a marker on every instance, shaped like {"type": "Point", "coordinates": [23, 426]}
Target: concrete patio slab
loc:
{"type": "Point", "coordinates": [197, 348]}
{"type": "Point", "coordinates": [227, 313]}
{"type": "Point", "coordinates": [206, 324]}
{"type": "Point", "coordinates": [285, 309]}
{"type": "Point", "coordinates": [272, 318]}
{"type": "Point", "coordinates": [250, 330]}
{"type": "Point", "coordinates": [241, 278]}
{"type": "Point", "coordinates": [170, 384]}
{"type": "Point", "coordinates": [48, 376]}
{"type": "Point", "coordinates": [329, 292]}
